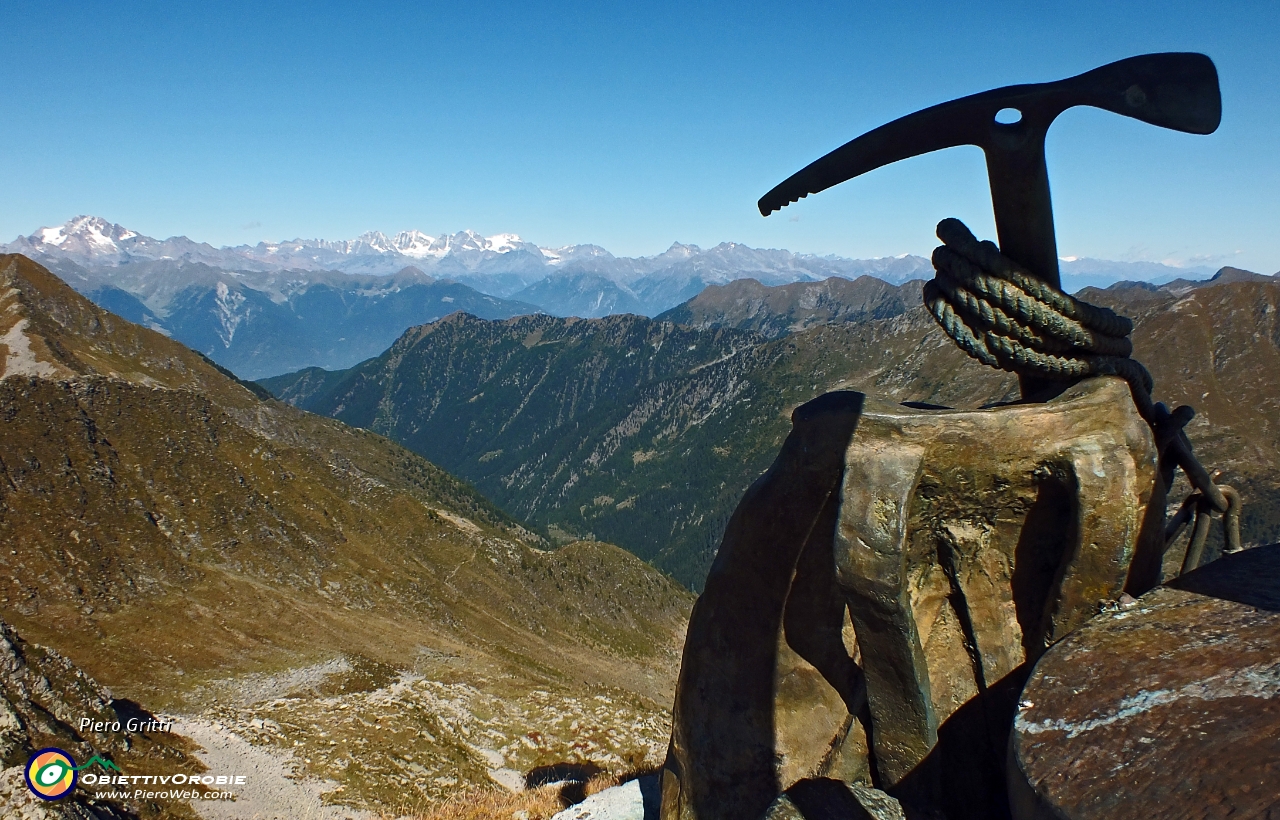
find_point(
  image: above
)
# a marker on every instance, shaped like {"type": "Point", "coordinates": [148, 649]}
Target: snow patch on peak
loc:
{"type": "Point", "coordinates": [51, 236]}
{"type": "Point", "coordinates": [91, 233]}
{"type": "Point", "coordinates": [373, 240]}
{"type": "Point", "coordinates": [413, 243]}
{"type": "Point", "coordinates": [503, 242]}
{"type": "Point", "coordinates": [469, 240]}
{"type": "Point", "coordinates": [679, 251]}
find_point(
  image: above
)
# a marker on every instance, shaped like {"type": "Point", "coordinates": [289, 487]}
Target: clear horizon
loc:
{"type": "Point", "coordinates": [628, 127]}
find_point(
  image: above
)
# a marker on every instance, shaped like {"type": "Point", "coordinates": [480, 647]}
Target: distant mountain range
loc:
{"type": "Point", "coordinates": [260, 323]}
{"type": "Point", "coordinates": [271, 308]}
{"type": "Point", "coordinates": [646, 433]}
{"type": "Point", "coordinates": [500, 265]}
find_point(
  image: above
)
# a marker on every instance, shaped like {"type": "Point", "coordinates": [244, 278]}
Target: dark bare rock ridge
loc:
{"type": "Point", "coordinates": [1222, 277]}
{"type": "Point", "coordinates": [776, 311]}
{"type": "Point", "coordinates": [43, 699]}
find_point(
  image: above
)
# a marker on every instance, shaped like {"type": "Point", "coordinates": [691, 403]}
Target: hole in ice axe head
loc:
{"type": "Point", "coordinates": [1176, 90]}
{"type": "Point", "coordinates": [1008, 116]}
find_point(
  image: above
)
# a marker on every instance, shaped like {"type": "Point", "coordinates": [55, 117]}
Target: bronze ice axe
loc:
{"type": "Point", "coordinates": [1174, 90]}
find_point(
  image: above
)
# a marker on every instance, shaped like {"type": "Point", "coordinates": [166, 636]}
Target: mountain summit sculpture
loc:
{"type": "Point", "coordinates": [883, 590]}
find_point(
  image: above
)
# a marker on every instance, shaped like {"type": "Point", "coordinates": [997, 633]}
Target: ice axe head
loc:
{"type": "Point", "coordinates": [1176, 90]}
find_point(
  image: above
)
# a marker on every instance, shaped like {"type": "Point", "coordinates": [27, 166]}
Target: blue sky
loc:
{"type": "Point", "coordinates": [630, 125]}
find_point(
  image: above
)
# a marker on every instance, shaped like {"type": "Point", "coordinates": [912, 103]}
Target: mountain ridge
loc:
{"type": "Point", "coordinates": [657, 465]}
{"type": "Point", "coordinates": [276, 308]}
{"type": "Point", "coordinates": [262, 323]}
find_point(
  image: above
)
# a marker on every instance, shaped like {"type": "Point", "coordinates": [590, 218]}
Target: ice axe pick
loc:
{"type": "Point", "coordinates": [1174, 90]}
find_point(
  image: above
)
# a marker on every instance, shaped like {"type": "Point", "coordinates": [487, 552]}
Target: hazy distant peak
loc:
{"type": "Point", "coordinates": [97, 238]}
{"type": "Point", "coordinates": [413, 243]}
{"type": "Point", "coordinates": [92, 240]}
{"type": "Point", "coordinates": [679, 250]}
{"type": "Point", "coordinates": [575, 253]}
{"type": "Point", "coordinates": [566, 280]}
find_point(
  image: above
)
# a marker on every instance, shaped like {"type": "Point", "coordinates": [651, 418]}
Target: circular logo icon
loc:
{"type": "Point", "coordinates": [51, 774]}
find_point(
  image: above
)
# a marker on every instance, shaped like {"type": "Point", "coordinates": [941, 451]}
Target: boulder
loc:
{"type": "Point", "coordinates": [1167, 706]}
{"type": "Point", "coordinates": [634, 800]}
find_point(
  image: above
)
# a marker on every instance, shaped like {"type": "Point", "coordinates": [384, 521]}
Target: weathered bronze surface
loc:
{"type": "Point", "coordinates": [751, 715]}
{"type": "Point", "coordinates": [960, 542]}
{"type": "Point", "coordinates": [1174, 90]}
{"type": "Point", "coordinates": [1168, 707]}
{"type": "Point", "coordinates": [968, 541]}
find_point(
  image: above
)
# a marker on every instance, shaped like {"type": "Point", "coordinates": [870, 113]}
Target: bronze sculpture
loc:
{"type": "Point", "coordinates": [960, 543]}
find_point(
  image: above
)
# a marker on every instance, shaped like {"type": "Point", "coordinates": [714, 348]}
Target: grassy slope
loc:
{"type": "Point", "coordinates": [168, 530]}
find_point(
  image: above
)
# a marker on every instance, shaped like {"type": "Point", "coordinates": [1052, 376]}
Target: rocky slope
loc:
{"type": "Point", "coordinates": [172, 533]}
{"type": "Point", "coordinates": [43, 698]}
{"type": "Point", "coordinates": [646, 433]}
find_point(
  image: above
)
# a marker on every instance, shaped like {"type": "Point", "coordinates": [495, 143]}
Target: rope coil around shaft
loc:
{"type": "Point", "coordinates": [1006, 318]}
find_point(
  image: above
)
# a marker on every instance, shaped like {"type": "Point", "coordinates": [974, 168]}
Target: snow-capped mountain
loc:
{"type": "Point", "coordinates": [93, 241]}
{"type": "Point", "coordinates": [582, 280]}
{"type": "Point", "coordinates": [86, 234]}
{"type": "Point", "coordinates": [375, 252]}
{"type": "Point", "coordinates": [270, 308]}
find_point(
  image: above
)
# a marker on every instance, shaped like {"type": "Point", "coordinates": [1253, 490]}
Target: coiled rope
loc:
{"type": "Point", "coordinates": [1006, 318]}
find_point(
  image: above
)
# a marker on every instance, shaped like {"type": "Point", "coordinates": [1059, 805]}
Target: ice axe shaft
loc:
{"type": "Point", "coordinates": [1174, 90]}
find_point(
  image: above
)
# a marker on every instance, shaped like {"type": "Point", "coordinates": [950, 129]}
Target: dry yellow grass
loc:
{"type": "Point", "coordinates": [486, 804]}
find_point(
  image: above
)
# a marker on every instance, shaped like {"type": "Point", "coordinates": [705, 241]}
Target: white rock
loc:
{"type": "Point", "coordinates": [625, 802]}
{"type": "Point", "coordinates": [509, 779]}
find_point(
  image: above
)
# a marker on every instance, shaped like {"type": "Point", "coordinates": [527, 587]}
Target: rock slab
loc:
{"type": "Point", "coordinates": [1169, 707]}
{"type": "Point", "coordinates": [828, 799]}
{"type": "Point", "coordinates": [633, 800]}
